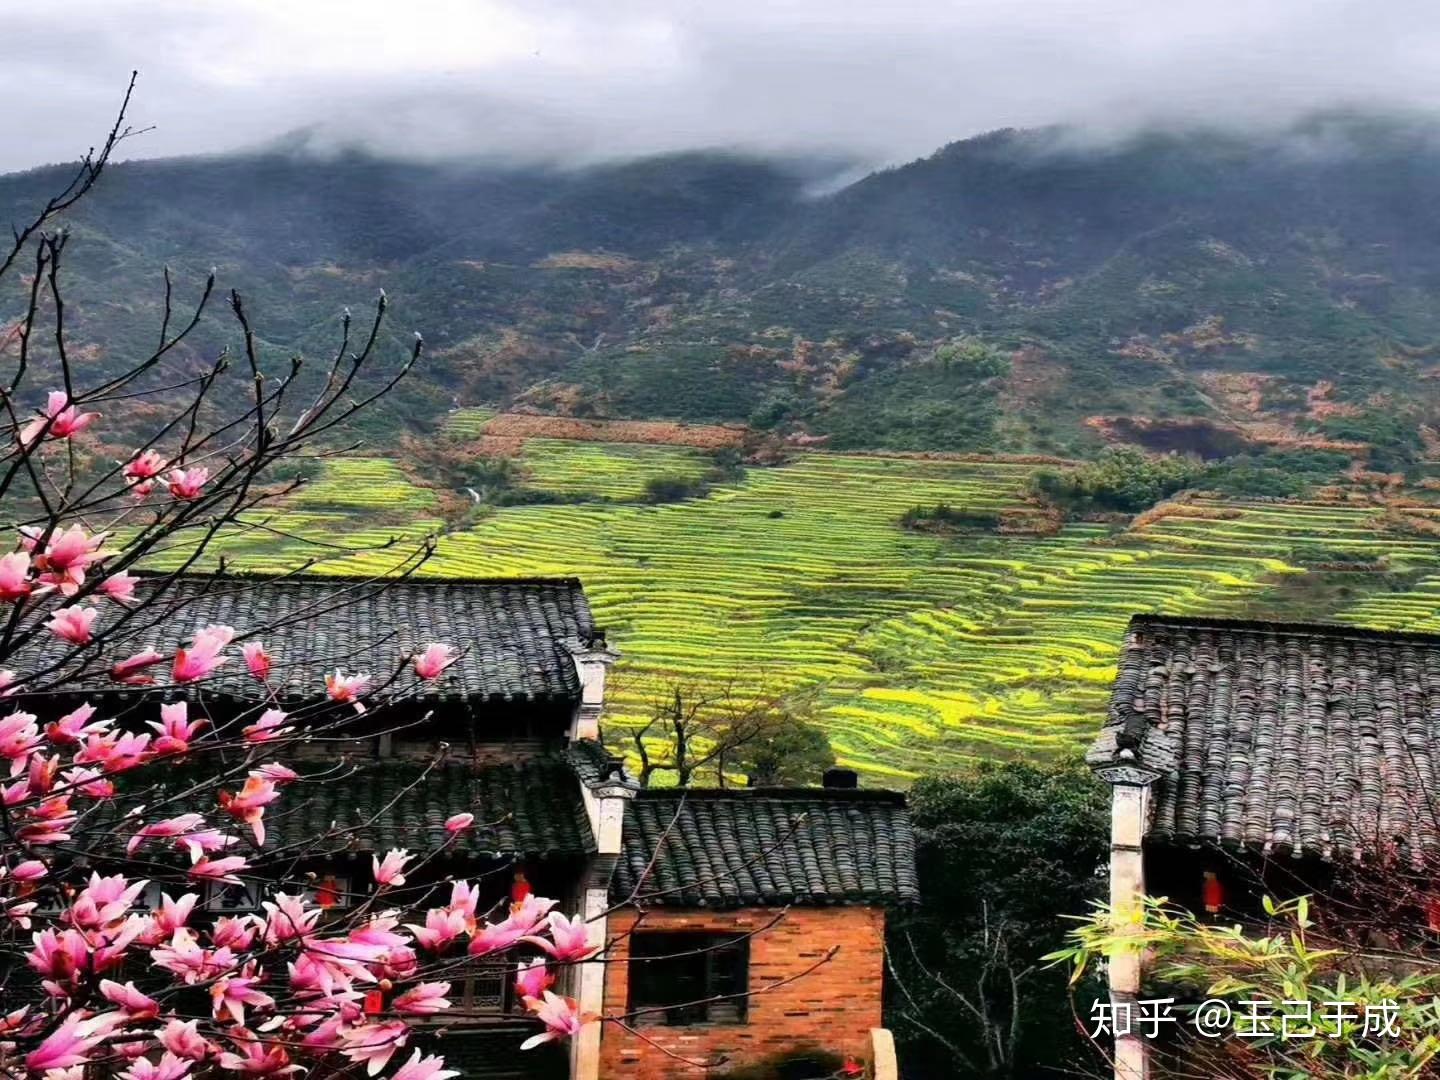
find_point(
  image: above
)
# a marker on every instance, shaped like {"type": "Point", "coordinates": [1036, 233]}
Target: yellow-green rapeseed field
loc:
{"type": "Point", "coordinates": [917, 652]}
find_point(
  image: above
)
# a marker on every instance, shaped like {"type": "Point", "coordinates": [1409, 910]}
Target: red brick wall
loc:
{"type": "Point", "coordinates": [833, 1007]}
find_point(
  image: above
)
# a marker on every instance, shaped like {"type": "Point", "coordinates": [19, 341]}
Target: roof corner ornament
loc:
{"type": "Point", "coordinates": [615, 783]}
{"type": "Point", "coordinates": [1128, 774]}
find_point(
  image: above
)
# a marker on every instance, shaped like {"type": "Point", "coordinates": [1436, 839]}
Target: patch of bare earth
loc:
{"type": "Point", "coordinates": [526, 426]}
{"type": "Point", "coordinates": [1209, 439]}
{"type": "Point", "coordinates": [587, 260]}
{"type": "Point", "coordinates": [1035, 377]}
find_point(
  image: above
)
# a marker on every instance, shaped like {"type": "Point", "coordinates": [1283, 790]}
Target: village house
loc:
{"type": "Point", "coordinates": [738, 923]}
{"type": "Point", "coordinates": [1248, 758]}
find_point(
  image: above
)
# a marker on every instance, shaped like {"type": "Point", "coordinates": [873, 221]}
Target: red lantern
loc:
{"type": "Point", "coordinates": [374, 1003]}
{"type": "Point", "coordinates": [1212, 893]}
{"type": "Point", "coordinates": [327, 894]}
{"type": "Point", "coordinates": [520, 888]}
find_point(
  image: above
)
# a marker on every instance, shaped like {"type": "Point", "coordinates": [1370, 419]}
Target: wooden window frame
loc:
{"type": "Point", "coordinates": [707, 954]}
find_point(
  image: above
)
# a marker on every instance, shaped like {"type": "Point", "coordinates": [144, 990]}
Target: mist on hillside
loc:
{"type": "Point", "coordinates": [563, 81]}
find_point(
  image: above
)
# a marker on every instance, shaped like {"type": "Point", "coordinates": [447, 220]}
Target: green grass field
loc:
{"type": "Point", "coordinates": [919, 652]}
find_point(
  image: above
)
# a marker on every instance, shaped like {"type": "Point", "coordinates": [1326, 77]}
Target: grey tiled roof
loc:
{"type": "Point", "coordinates": [513, 632]}
{"type": "Point", "coordinates": [743, 847]}
{"type": "Point", "coordinates": [531, 807]}
{"type": "Point", "coordinates": [1300, 738]}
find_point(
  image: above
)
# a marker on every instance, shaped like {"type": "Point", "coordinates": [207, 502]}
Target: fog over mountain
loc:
{"type": "Point", "coordinates": [572, 80]}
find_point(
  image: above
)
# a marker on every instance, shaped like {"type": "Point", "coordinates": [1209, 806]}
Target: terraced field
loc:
{"type": "Point", "coordinates": [613, 471]}
{"type": "Point", "coordinates": [919, 652]}
{"type": "Point", "coordinates": [467, 423]}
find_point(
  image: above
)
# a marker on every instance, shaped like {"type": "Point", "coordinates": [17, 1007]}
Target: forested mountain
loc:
{"type": "Point", "coordinates": [1019, 291]}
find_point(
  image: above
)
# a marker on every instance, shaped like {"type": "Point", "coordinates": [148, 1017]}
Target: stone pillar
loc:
{"type": "Point", "coordinates": [606, 803]}
{"type": "Point", "coordinates": [591, 663]}
{"type": "Point", "coordinates": [1129, 782]}
{"type": "Point", "coordinates": [1127, 892]}
{"type": "Point", "coordinates": [590, 989]}
{"type": "Point", "coordinates": [883, 1064]}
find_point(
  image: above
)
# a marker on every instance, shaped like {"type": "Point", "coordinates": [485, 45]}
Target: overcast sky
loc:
{"type": "Point", "coordinates": [566, 79]}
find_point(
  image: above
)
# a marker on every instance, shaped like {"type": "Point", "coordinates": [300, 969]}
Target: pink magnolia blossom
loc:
{"type": "Point", "coordinates": [40, 773]}
{"type": "Point", "coordinates": [141, 491]}
{"type": "Point", "coordinates": [423, 999]}
{"type": "Point", "coordinates": [15, 583]}
{"type": "Point", "coordinates": [119, 587]}
{"type": "Point", "coordinates": [19, 735]}
{"type": "Point", "coordinates": [221, 870]}
{"type": "Point", "coordinates": [169, 1067]}
{"type": "Point", "coordinates": [60, 420]}
{"type": "Point", "coordinates": [14, 1020]}
{"type": "Point", "coordinates": [288, 919]}
{"type": "Point", "coordinates": [197, 844]}
{"type": "Point", "coordinates": [569, 940]}
{"type": "Point", "coordinates": [8, 685]}
{"type": "Point", "coordinates": [442, 926]}
{"type": "Point", "coordinates": [91, 782]}
{"type": "Point", "coordinates": [530, 912]}
{"type": "Point", "coordinates": [275, 772]}
{"type": "Point", "coordinates": [248, 805]}
{"type": "Point", "coordinates": [268, 727]}
{"type": "Point", "coordinates": [458, 823]}
{"type": "Point", "coordinates": [397, 964]}
{"type": "Point", "coordinates": [75, 727]}
{"type": "Point", "coordinates": [389, 872]}
{"type": "Point", "coordinates": [70, 1044]}
{"type": "Point", "coordinates": [50, 824]}
{"type": "Point", "coordinates": [136, 1006]}
{"type": "Point", "coordinates": [374, 1044]}
{"type": "Point", "coordinates": [347, 688]}
{"type": "Point", "coordinates": [257, 660]}
{"type": "Point", "coordinates": [104, 900]}
{"type": "Point", "coordinates": [232, 993]}
{"type": "Point", "coordinates": [73, 624]}
{"type": "Point", "coordinates": [114, 752]}
{"type": "Point", "coordinates": [187, 483]}
{"type": "Point", "coordinates": [532, 979]}
{"type": "Point", "coordinates": [68, 555]}
{"type": "Point", "coordinates": [324, 1036]}
{"type": "Point", "coordinates": [494, 937]}
{"type": "Point", "coordinates": [170, 827]}
{"type": "Point", "coordinates": [255, 1058]}
{"type": "Point", "coordinates": [172, 915]}
{"type": "Point", "coordinates": [131, 671]}
{"type": "Point", "coordinates": [144, 466]}
{"type": "Point", "coordinates": [562, 1019]}
{"type": "Point", "coordinates": [233, 933]}
{"type": "Point", "coordinates": [183, 956]}
{"type": "Point", "coordinates": [59, 955]}
{"type": "Point", "coordinates": [203, 656]}
{"type": "Point", "coordinates": [464, 898]}
{"type": "Point", "coordinates": [175, 728]}
{"type": "Point", "coordinates": [424, 1068]}
{"type": "Point", "coordinates": [28, 871]}
{"type": "Point", "coordinates": [183, 1039]}
{"type": "Point", "coordinates": [433, 661]}
{"type": "Point", "coordinates": [19, 914]}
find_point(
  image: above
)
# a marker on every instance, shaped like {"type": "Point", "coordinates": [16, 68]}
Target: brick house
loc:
{"type": "Point", "coordinates": [755, 885]}
{"type": "Point", "coordinates": [1248, 758]}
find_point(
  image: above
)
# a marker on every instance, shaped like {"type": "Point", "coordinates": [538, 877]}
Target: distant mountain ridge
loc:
{"type": "Point", "coordinates": [1273, 288]}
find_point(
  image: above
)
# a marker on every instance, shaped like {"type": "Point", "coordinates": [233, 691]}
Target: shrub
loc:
{"type": "Point", "coordinates": [944, 517]}
{"type": "Point", "coordinates": [669, 488]}
{"type": "Point", "coordinates": [1124, 480]}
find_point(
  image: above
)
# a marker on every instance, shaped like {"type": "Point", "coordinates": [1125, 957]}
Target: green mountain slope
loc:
{"type": "Point", "coordinates": [1279, 287]}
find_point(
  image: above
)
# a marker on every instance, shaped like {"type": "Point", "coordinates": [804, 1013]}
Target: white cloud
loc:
{"type": "Point", "coordinates": [581, 78]}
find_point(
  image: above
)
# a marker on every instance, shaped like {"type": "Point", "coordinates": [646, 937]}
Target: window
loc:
{"type": "Point", "coordinates": [689, 978]}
